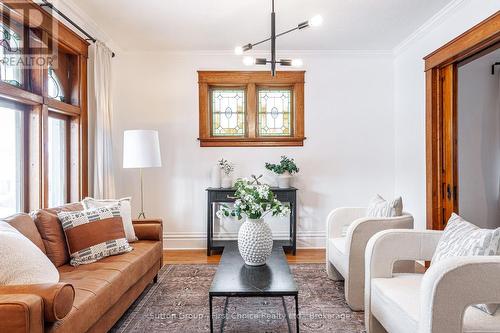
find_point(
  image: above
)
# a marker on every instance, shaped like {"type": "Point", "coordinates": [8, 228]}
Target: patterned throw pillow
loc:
{"type": "Point", "coordinates": [125, 212]}
{"type": "Point", "coordinates": [94, 234]}
{"type": "Point", "coordinates": [379, 207]}
{"type": "Point", "coordinates": [461, 238]}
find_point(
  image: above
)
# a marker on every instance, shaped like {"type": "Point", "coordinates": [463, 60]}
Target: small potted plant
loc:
{"type": "Point", "coordinates": [284, 171]}
{"type": "Point", "coordinates": [255, 239]}
{"type": "Point", "coordinates": [227, 170]}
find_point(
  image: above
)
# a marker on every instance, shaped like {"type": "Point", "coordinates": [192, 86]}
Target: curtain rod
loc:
{"type": "Point", "coordinates": [70, 21]}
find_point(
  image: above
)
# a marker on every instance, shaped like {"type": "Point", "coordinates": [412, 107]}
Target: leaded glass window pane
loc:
{"type": "Point", "coordinates": [55, 90]}
{"type": "Point", "coordinates": [10, 56]}
{"type": "Point", "coordinates": [275, 112]}
{"type": "Point", "coordinates": [228, 112]}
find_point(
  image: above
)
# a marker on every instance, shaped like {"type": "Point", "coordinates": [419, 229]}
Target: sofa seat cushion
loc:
{"type": "Point", "coordinates": [395, 304]}
{"type": "Point", "coordinates": [98, 286]}
{"type": "Point", "coordinates": [337, 255]}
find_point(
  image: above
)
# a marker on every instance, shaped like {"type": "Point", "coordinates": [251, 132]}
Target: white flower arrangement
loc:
{"type": "Point", "coordinates": [253, 201]}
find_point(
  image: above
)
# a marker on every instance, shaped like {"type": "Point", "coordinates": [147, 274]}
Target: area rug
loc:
{"type": "Point", "coordinates": [179, 303]}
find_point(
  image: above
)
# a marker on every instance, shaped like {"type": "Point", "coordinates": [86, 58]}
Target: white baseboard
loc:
{"type": "Point", "coordinates": [198, 240]}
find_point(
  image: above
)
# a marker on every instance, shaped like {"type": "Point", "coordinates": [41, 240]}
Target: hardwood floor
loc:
{"type": "Point", "coordinates": [172, 257]}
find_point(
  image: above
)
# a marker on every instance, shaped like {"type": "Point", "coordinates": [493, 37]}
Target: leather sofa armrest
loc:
{"type": "Point", "coordinates": [21, 313]}
{"type": "Point", "coordinates": [57, 298]}
{"type": "Point", "coordinates": [149, 229]}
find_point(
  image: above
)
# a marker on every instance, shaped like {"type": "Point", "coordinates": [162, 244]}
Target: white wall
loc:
{"type": "Point", "coordinates": [479, 141]}
{"type": "Point", "coordinates": [348, 156]}
{"type": "Point", "coordinates": [409, 96]}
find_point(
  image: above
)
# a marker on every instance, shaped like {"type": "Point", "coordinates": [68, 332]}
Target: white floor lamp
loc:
{"type": "Point", "coordinates": [141, 149]}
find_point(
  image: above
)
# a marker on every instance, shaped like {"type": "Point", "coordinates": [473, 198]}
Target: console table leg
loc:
{"type": "Point", "coordinates": [211, 318]}
{"type": "Point", "coordinates": [297, 312]}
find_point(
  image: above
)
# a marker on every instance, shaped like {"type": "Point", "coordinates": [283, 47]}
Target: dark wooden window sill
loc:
{"type": "Point", "coordinates": [256, 142]}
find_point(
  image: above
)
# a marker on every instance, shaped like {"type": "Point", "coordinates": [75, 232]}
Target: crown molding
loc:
{"type": "Point", "coordinates": [73, 11]}
{"type": "Point", "coordinates": [257, 53]}
{"type": "Point", "coordinates": [431, 23]}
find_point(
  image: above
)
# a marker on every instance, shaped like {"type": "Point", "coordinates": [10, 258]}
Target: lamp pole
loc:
{"type": "Point", "coordinates": [273, 41]}
{"type": "Point", "coordinates": [142, 198]}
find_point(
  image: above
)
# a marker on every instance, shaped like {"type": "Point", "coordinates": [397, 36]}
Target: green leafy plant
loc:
{"type": "Point", "coordinates": [286, 165]}
{"type": "Point", "coordinates": [253, 201]}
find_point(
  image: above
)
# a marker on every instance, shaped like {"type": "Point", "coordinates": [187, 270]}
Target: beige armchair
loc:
{"type": "Point", "coordinates": [346, 253]}
{"type": "Point", "coordinates": [437, 301]}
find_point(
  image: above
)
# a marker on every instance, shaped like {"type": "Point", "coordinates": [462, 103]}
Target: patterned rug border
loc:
{"type": "Point", "coordinates": [334, 303]}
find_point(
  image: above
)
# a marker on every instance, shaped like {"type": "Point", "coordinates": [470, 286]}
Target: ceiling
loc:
{"type": "Point", "coordinates": [183, 25]}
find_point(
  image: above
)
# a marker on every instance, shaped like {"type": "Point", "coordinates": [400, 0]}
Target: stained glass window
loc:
{"type": "Point", "coordinates": [228, 112]}
{"type": "Point", "coordinates": [55, 87]}
{"type": "Point", "coordinates": [275, 112]}
{"type": "Point", "coordinates": [10, 56]}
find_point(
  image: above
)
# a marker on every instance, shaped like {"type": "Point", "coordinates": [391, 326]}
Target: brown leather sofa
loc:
{"type": "Point", "coordinates": [88, 298]}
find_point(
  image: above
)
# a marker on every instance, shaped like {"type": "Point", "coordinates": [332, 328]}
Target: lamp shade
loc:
{"type": "Point", "coordinates": [141, 149]}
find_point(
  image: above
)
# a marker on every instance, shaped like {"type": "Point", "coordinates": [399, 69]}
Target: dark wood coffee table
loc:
{"type": "Point", "coordinates": [235, 279]}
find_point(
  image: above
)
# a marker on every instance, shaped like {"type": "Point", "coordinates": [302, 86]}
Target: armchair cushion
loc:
{"type": "Point", "coordinates": [461, 238]}
{"type": "Point", "coordinates": [379, 207]}
{"type": "Point", "coordinates": [396, 304]}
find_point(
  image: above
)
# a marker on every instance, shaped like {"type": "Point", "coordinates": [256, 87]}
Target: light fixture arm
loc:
{"type": "Point", "coordinates": [315, 21]}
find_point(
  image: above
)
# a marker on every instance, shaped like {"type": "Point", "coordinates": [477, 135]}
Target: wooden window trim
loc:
{"type": "Point", "coordinates": [38, 107]}
{"type": "Point", "coordinates": [252, 81]}
{"type": "Point", "coordinates": [441, 116]}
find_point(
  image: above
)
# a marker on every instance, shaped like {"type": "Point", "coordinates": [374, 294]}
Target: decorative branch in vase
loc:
{"type": "Point", "coordinates": [284, 171]}
{"type": "Point", "coordinates": [227, 170]}
{"type": "Point", "coordinates": [254, 202]}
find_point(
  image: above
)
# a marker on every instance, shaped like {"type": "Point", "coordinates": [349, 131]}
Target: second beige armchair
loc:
{"type": "Point", "coordinates": [348, 232]}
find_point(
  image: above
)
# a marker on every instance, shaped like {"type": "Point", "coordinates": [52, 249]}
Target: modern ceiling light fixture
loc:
{"type": "Point", "coordinates": [250, 61]}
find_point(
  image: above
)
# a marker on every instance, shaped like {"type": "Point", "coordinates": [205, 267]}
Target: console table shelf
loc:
{"type": "Point", "coordinates": [226, 195]}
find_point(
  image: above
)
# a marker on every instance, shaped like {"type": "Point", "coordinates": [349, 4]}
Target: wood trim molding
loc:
{"type": "Point", "coordinates": [470, 42]}
{"type": "Point", "coordinates": [30, 11]}
{"type": "Point", "coordinates": [441, 113]}
{"type": "Point", "coordinates": [251, 81]}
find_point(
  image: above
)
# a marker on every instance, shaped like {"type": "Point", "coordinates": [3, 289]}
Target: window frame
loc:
{"type": "Point", "coordinates": [33, 95]}
{"type": "Point", "coordinates": [252, 81]}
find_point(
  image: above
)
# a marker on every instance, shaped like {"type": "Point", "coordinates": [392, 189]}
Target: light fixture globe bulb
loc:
{"type": "Point", "coordinates": [238, 50]}
{"type": "Point", "coordinates": [297, 63]}
{"type": "Point", "coordinates": [249, 61]}
{"type": "Point", "coordinates": [316, 21]}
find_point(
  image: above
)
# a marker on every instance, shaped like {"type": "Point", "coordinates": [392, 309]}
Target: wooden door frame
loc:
{"type": "Point", "coordinates": [441, 114]}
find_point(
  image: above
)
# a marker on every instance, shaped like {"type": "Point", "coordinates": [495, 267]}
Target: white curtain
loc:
{"type": "Point", "coordinates": [104, 183]}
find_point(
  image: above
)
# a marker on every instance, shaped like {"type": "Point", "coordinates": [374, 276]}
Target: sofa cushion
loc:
{"type": "Point", "coordinates": [125, 212]}
{"type": "Point", "coordinates": [94, 234]}
{"type": "Point", "coordinates": [22, 261]}
{"type": "Point", "coordinates": [25, 224]}
{"type": "Point", "coordinates": [98, 286]}
{"type": "Point", "coordinates": [52, 234]}
{"type": "Point", "coordinates": [395, 304]}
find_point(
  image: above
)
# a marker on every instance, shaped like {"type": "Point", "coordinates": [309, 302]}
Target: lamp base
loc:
{"type": "Point", "coordinates": [141, 214]}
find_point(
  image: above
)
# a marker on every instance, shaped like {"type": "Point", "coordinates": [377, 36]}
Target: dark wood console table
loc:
{"type": "Point", "coordinates": [225, 195]}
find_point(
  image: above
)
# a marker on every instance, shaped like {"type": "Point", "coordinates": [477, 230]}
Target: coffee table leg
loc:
{"type": "Point", "coordinates": [297, 312]}
{"type": "Point", "coordinates": [211, 318]}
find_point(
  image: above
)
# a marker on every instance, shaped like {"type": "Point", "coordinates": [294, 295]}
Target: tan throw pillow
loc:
{"type": "Point", "coordinates": [94, 234]}
{"type": "Point", "coordinates": [125, 211]}
{"type": "Point", "coordinates": [52, 234]}
{"type": "Point", "coordinates": [379, 207]}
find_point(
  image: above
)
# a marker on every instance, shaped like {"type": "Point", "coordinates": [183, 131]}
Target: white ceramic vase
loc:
{"type": "Point", "coordinates": [227, 182]}
{"type": "Point", "coordinates": [216, 177]}
{"type": "Point", "coordinates": [255, 242]}
{"type": "Point", "coordinates": [284, 180]}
